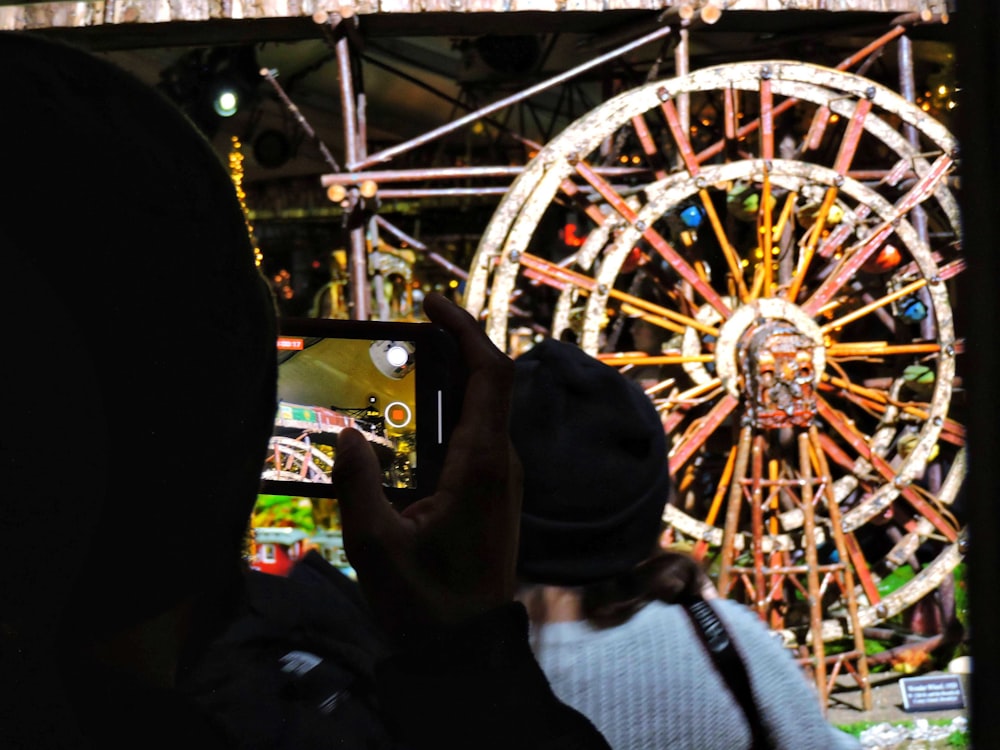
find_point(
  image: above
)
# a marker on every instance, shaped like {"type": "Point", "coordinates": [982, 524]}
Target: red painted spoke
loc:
{"type": "Point", "coordinates": [876, 400]}
{"type": "Point", "coordinates": [558, 277]}
{"type": "Point", "coordinates": [817, 128]}
{"type": "Point", "coordinates": [857, 441]}
{"type": "Point", "coordinates": [591, 209]}
{"type": "Point", "coordinates": [837, 237]}
{"type": "Point", "coordinates": [953, 432]}
{"type": "Point", "coordinates": [744, 130]}
{"type": "Point", "coordinates": [945, 272]}
{"type": "Point", "coordinates": [835, 452]}
{"type": "Point", "coordinates": [729, 114]}
{"type": "Point", "coordinates": [548, 279]}
{"type": "Point", "coordinates": [766, 123]}
{"type": "Point", "coordinates": [654, 238]}
{"type": "Point", "coordinates": [845, 155]}
{"type": "Point", "coordinates": [847, 546]}
{"type": "Point", "coordinates": [713, 150]}
{"type": "Point", "coordinates": [649, 145]}
{"type": "Point", "coordinates": [681, 139]}
{"type": "Point", "coordinates": [706, 426]}
{"type": "Point", "coordinates": [855, 257]}
{"type": "Point", "coordinates": [868, 584]}
{"type": "Point", "coordinates": [691, 164]}
{"type": "Point", "coordinates": [849, 144]}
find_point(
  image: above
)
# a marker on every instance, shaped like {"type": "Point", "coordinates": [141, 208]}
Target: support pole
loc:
{"type": "Point", "coordinates": [812, 575]}
{"type": "Point", "coordinates": [468, 119]}
{"type": "Point", "coordinates": [860, 670]}
{"type": "Point", "coordinates": [682, 66]}
{"type": "Point", "coordinates": [733, 510]}
{"type": "Point", "coordinates": [771, 584]}
{"type": "Point", "coordinates": [358, 254]}
{"type": "Point", "coordinates": [918, 216]}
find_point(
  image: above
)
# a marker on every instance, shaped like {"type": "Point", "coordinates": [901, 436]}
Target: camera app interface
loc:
{"type": "Point", "coordinates": [326, 385]}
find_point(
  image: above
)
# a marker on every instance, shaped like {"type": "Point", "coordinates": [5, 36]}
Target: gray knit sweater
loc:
{"type": "Point", "coordinates": [650, 684]}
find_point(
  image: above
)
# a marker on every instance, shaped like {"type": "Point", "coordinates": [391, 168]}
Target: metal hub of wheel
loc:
{"type": "Point", "coordinates": [795, 239]}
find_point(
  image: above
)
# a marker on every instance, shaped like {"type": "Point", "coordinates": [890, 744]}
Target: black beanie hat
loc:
{"type": "Point", "coordinates": [596, 476]}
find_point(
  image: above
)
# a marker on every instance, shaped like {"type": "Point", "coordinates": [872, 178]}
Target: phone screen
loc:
{"type": "Point", "coordinates": [371, 377]}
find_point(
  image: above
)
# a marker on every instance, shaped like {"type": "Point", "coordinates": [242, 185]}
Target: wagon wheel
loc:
{"type": "Point", "coordinates": [297, 460]}
{"type": "Point", "coordinates": [798, 249]}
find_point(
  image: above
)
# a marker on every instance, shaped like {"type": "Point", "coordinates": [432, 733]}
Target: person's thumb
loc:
{"type": "Point", "coordinates": [367, 518]}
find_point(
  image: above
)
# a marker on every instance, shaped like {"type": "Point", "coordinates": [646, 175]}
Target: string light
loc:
{"type": "Point", "coordinates": [939, 96]}
{"type": "Point", "coordinates": [236, 173]}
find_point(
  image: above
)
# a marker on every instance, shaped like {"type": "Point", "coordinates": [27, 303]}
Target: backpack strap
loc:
{"type": "Point", "coordinates": [727, 661]}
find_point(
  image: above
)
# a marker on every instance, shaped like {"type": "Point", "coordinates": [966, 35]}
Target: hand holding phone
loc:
{"type": "Point", "coordinates": [450, 555]}
{"type": "Point", "coordinates": [398, 384]}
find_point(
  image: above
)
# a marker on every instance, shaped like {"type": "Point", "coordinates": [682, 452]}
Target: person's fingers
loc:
{"type": "Point", "coordinates": [490, 371]}
{"type": "Point", "coordinates": [368, 520]}
{"type": "Point", "coordinates": [476, 346]}
{"type": "Point", "coordinates": [481, 435]}
{"type": "Point", "coordinates": [450, 555]}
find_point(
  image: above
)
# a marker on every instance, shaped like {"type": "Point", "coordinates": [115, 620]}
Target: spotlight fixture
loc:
{"type": "Point", "coordinates": [212, 83]}
{"type": "Point", "coordinates": [226, 102]}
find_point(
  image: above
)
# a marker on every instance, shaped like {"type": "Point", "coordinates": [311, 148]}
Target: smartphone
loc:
{"type": "Point", "coordinates": [399, 384]}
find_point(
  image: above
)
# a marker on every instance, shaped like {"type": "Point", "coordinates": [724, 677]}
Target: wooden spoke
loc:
{"type": "Point", "coordinates": [654, 238]}
{"type": "Point", "coordinates": [848, 147]}
{"type": "Point", "coordinates": [701, 547]}
{"type": "Point", "coordinates": [857, 441]}
{"type": "Point", "coordinates": [879, 349]}
{"type": "Point", "coordinates": [766, 232]}
{"type": "Point", "coordinates": [545, 270]}
{"type": "Point", "coordinates": [870, 307]}
{"type": "Point", "coordinates": [648, 143]}
{"type": "Point", "coordinates": [729, 115]}
{"type": "Point", "coordinates": [857, 255]}
{"type": "Point", "coordinates": [766, 120]}
{"type": "Point", "coordinates": [691, 164]}
{"type": "Point", "coordinates": [703, 429]}
{"type": "Point", "coordinates": [620, 359]}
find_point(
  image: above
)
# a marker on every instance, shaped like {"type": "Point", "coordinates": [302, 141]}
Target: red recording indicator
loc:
{"type": "Point", "coordinates": [290, 343]}
{"type": "Point", "coordinates": [397, 414]}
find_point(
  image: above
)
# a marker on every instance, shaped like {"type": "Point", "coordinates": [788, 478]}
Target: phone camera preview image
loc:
{"type": "Point", "coordinates": [394, 359]}
{"type": "Point", "coordinates": [328, 384]}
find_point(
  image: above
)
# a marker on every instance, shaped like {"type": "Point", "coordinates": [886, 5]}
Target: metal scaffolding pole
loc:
{"type": "Point", "coordinates": [359, 287]}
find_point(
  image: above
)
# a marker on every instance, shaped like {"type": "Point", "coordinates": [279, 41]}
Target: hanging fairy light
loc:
{"type": "Point", "coordinates": [940, 95]}
{"type": "Point", "coordinates": [236, 174]}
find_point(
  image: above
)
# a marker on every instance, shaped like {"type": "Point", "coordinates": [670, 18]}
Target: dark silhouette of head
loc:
{"type": "Point", "coordinates": [595, 467]}
{"type": "Point", "coordinates": [139, 342]}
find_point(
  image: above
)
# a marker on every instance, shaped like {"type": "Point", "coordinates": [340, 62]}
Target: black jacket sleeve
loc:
{"type": "Point", "coordinates": [478, 685]}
